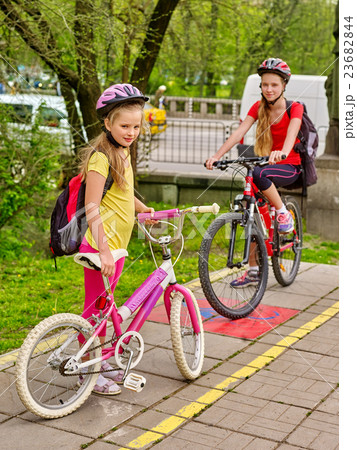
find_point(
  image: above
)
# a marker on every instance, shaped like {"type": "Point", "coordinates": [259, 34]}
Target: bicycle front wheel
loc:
{"type": "Point", "coordinates": [41, 382]}
{"type": "Point", "coordinates": [287, 247]}
{"type": "Point", "coordinates": [188, 346]}
{"type": "Point", "coordinates": [227, 234]}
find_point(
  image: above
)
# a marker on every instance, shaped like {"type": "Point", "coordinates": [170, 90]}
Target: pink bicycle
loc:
{"type": "Point", "coordinates": [51, 359]}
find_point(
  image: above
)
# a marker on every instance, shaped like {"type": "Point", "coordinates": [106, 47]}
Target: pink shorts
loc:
{"type": "Point", "coordinates": [94, 285]}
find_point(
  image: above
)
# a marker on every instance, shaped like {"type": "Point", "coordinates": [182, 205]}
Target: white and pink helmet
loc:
{"type": "Point", "coordinates": [277, 66]}
{"type": "Point", "coordinates": [118, 93]}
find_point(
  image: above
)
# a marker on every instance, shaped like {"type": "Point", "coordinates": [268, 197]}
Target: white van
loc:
{"type": "Point", "coordinates": [309, 89]}
{"type": "Point", "coordinates": [24, 108]}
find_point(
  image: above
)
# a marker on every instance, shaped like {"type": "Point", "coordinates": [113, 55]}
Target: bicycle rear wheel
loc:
{"type": "Point", "coordinates": [40, 380]}
{"type": "Point", "coordinates": [187, 345]}
{"type": "Point", "coordinates": [216, 276]}
{"type": "Point", "coordinates": [287, 247]}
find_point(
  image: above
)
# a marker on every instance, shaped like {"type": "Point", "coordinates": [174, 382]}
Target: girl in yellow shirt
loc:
{"type": "Point", "coordinates": [111, 218]}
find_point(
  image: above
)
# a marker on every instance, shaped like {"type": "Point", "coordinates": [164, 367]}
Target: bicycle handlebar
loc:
{"type": "Point", "coordinates": [243, 160]}
{"type": "Point", "coordinates": [171, 213]}
{"type": "Point", "coordinates": [159, 215]}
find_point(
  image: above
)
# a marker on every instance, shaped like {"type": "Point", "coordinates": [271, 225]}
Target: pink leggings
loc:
{"type": "Point", "coordinates": [94, 286]}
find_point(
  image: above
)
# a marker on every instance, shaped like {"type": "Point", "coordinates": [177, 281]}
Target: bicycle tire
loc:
{"type": "Point", "coordinates": [188, 347]}
{"type": "Point", "coordinates": [215, 276]}
{"type": "Point", "coordinates": [39, 383]}
{"type": "Point", "coordinates": [286, 263]}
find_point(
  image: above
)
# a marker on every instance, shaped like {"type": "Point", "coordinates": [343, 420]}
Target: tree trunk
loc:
{"type": "Point", "coordinates": [151, 46]}
{"type": "Point", "coordinates": [211, 88]}
{"type": "Point", "coordinates": [332, 90]}
{"type": "Point", "coordinates": [88, 88]}
{"type": "Point", "coordinates": [149, 51]}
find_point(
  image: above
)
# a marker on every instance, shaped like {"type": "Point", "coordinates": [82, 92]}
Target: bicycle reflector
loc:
{"type": "Point", "coordinates": [101, 302]}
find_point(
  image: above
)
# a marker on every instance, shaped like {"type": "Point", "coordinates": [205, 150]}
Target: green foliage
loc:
{"type": "Point", "coordinates": [29, 166]}
{"type": "Point", "coordinates": [207, 41]}
{"type": "Point", "coordinates": [230, 39]}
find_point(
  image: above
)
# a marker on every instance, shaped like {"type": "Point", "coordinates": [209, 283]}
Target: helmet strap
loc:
{"type": "Point", "coordinates": [112, 140]}
{"type": "Point", "coordinates": [273, 101]}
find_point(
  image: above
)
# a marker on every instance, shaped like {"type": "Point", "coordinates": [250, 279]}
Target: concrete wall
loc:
{"type": "Point", "coordinates": [181, 189]}
{"type": "Point", "coordinates": [322, 212]}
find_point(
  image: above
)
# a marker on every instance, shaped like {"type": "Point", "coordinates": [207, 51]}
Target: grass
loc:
{"type": "Point", "coordinates": [31, 289]}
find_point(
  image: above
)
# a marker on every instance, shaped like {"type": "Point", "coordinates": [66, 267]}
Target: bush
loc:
{"type": "Point", "coordinates": [29, 168]}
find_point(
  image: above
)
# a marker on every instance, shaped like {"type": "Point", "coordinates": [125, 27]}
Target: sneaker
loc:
{"type": "Point", "coordinates": [285, 223]}
{"type": "Point", "coordinates": [249, 278]}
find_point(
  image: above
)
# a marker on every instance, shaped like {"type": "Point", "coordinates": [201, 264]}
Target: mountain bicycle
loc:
{"type": "Point", "coordinates": [51, 358]}
{"type": "Point", "coordinates": [247, 237]}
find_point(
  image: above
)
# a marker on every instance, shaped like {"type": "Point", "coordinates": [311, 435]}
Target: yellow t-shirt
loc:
{"type": "Point", "coordinates": [117, 208]}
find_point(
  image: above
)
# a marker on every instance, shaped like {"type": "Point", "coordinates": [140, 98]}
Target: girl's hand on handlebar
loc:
{"type": "Point", "coordinates": [276, 156]}
{"type": "Point", "coordinates": [151, 211]}
{"type": "Point", "coordinates": [209, 163]}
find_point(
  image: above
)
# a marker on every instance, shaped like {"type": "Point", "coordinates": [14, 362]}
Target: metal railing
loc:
{"type": "Point", "coordinates": [186, 141]}
{"type": "Point", "coordinates": [202, 108]}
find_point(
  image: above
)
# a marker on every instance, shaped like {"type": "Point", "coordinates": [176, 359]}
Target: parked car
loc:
{"type": "Point", "coordinates": [24, 109]}
{"type": "Point", "coordinates": [156, 118]}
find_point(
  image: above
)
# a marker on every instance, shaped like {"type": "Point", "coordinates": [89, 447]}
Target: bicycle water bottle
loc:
{"type": "Point", "coordinates": [264, 212]}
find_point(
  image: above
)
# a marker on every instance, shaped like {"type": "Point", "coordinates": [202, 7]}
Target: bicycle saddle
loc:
{"type": "Point", "coordinates": [92, 260]}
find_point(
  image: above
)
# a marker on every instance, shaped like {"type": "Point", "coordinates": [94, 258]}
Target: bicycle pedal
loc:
{"type": "Point", "coordinates": [134, 382]}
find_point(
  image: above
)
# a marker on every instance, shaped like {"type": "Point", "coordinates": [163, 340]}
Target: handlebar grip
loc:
{"type": "Point", "coordinates": [159, 215]}
{"type": "Point", "coordinates": [208, 209]}
{"type": "Point", "coordinates": [214, 164]}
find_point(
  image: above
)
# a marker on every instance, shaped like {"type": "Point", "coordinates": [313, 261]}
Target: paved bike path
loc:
{"type": "Point", "coordinates": [279, 390]}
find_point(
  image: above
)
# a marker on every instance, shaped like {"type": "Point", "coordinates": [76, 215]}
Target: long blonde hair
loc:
{"type": "Point", "coordinates": [264, 138]}
{"type": "Point", "coordinates": [101, 144]}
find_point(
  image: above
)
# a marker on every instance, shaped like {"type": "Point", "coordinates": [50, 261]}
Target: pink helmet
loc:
{"type": "Point", "coordinates": [275, 65]}
{"type": "Point", "coordinates": [118, 93]}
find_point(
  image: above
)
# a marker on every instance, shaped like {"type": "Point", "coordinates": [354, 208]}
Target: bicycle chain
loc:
{"type": "Point", "coordinates": [61, 369]}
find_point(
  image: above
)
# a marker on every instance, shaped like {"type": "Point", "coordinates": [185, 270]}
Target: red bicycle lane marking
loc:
{"type": "Point", "coordinates": [261, 320]}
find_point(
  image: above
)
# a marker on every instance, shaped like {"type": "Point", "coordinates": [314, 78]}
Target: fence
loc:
{"type": "Point", "coordinates": [202, 108]}
{"type": "Point", "coordinates": [186, 141]}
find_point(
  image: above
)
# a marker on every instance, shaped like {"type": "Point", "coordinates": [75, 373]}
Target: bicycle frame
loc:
{"type": "Point", "coordinates": [255, 214]}
{"type": "Point", "coordinates": [162, 280]}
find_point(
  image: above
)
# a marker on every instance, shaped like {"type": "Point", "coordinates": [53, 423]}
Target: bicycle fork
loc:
{"type": "Point", "coordinates": [248, 238]}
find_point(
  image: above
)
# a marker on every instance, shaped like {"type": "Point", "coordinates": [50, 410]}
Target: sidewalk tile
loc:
{"type": "Point", "coordinates": [9, 400]}
{"type": "Point", "coordinates": [213, 379]}
{"type": "Point", "coordinates": [221, 347]}
{"type": "Point", "coordinates": [317, 432]}
{"type": "Point", "coordinates": [102, 445]}
{"type": "Point", "coordinates": [98, 415]}
{"type": "Point", "coordinates": [156, 387]}
{"type": "Point", "coordinates": [21, 434]}
{"type": "Point", "coordinates": [126, 434]}
{"type": "Point", "coordinates": [199, 434]}
{"type": "Point", "coordinates": [156, 421]}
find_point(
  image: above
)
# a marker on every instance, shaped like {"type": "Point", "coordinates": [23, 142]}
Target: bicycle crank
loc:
{"type": "Point", "coordinates": [129, 350]}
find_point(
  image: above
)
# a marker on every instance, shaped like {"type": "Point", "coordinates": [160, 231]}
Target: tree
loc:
{"type": "Point", "coordinates": [66, 36]}
{"type": "Point", "coordinates": [151, 45]}
{"type": "Point", "coordinates": [77, 76]}
{"type": "Point", "coordinates": [332, 90]}
{"type": "Point", "coordinates": [246, 33]}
